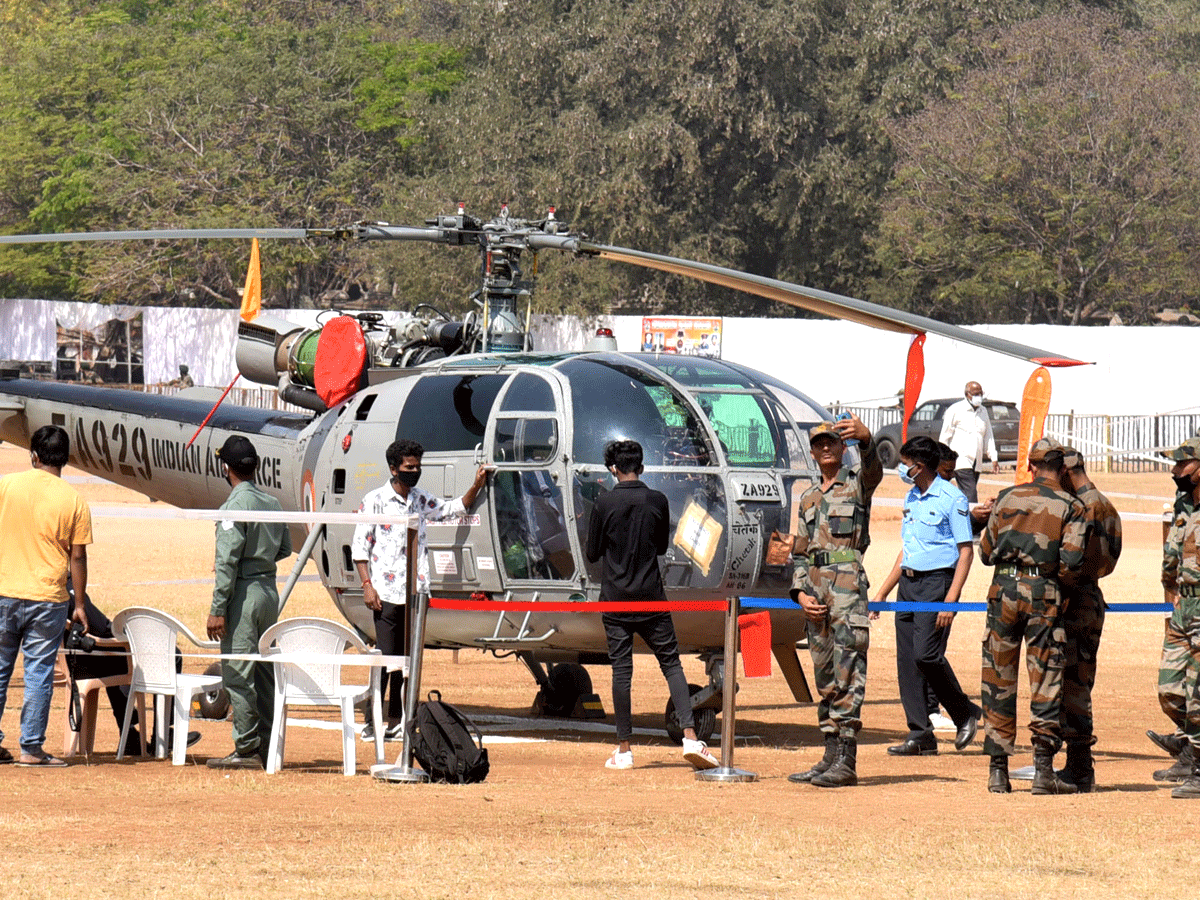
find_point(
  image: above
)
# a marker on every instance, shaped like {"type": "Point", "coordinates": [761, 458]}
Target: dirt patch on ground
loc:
{"type": "Point", "coordinates": [551, 821]}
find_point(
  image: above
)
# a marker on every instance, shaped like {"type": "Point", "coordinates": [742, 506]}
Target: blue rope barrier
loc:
{"type": "Point", "coordinates": [896, 606]}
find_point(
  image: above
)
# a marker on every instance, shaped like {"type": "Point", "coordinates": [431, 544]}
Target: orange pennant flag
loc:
{"type": "Point", "coordinates": [252, 293]}
{"type": "Point", "coordinates": [1035, 404]}
{"type": "Point", "coordinates": [914, 377]}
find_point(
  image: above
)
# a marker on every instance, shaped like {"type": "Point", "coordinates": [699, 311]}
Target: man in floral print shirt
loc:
{"type": "Point", "coordinates": [378, 553]}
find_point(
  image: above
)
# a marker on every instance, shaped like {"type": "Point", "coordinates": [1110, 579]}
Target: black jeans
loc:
{"type": "Point", "coordinates": [389, 638]}
{"type": "Point", "coordinates": [658, 631]}
{"type": "Point", "coordinates": [921, 664]}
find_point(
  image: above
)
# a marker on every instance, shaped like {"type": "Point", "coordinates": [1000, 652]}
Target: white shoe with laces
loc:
{"type": "Point", "coordinates": [619, 760]}
{"type": "Point", "coordinates": [941, 722]}
{"type": "Point", "coordinates": [697, 754]}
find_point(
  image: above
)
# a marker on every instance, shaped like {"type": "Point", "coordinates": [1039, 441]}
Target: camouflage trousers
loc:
{"type": "Point", "coordinates": [1178, 685]}
{"type": "Point", "coordinates": [1082, 622]}
{"type": "Point", "coordinates": [839, 647]}
{"type": "Point", "coordinates": [1021, 607]}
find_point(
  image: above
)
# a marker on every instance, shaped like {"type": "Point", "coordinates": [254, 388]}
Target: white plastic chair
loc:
{"type": "Point", "coordinates": [319, 683]}
{"type": "Point", "coordinates": [152, 636]}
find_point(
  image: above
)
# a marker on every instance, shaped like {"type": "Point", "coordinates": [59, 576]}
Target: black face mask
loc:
{"type": "Point", "coordinates": [1183, 483]}
{"type": "Point", "coordinates": [408, 479]}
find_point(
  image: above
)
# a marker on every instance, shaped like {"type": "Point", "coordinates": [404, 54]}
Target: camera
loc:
{"type": "Point", "coordinates": [78, 639]}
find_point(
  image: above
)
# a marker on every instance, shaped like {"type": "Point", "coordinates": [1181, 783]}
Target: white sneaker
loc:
{"type": "Point", "coordinates": [697, 754]}
{"type": "Point", "coordinates": [942, 723]}
{"type": "Point", "coordinates": [619, 760]}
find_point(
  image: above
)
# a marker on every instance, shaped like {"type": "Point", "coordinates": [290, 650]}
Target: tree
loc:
{"type": "Point", "coordinates": [1057, 184]}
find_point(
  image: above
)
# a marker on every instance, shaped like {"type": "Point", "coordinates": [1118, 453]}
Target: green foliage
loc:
{"type": "Point", "coordinates": [1057, 184]}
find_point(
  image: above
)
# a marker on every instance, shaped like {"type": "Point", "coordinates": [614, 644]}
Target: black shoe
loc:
{"type": "Point", "coordinates": [820, 765]}
{"type": "Point", "coordinates": [394, 733]}
{"type": "Point", "coordinates": [1171, 744]}
{"type": "Point", "coordinates": [368, 732]}
{"type": "Point", "coordinates": [1181, 770]}
{"type": "Point", "coordinates": [998, 782]}
{"type": "Point", "coordinates": [236, 761]}
{"type": "Point", "coordinates": [912, 748]}
{"type": "Point", "coordinates": [844, 771]}
{"type": "Point", "coordinates": [966, 732]}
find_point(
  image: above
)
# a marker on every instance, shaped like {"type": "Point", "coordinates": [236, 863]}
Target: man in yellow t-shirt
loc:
{"type": "Point", "coordinates": [45, 527]}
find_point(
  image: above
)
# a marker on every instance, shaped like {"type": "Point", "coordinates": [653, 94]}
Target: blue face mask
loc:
{"type": "Point", "coordinates": [903, 471]}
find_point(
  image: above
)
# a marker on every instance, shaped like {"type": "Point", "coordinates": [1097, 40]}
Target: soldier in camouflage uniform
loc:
{"type": "Point", "coordinates": [1177, 672]}
{"type": "Point", "coordinates": [1083, 621]}
{"type": "Point", "coordinates": [831, 586]}
{"type": "Point", "coordinates": [1181, 646]}
{"type": "Point", "coordinates": [1035, 538]}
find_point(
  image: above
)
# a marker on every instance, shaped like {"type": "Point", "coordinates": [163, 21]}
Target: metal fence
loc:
{"type": "Point", "coordinates": [1108, 443]}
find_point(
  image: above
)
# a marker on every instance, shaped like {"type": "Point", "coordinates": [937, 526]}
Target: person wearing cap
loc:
{"type": "Point", "coordinates": [1035, 538]}
{"type": "Point", "coordinates": [935, 556]}
{"type": "Point", "coordinates": [1179, 688]}
{"type": "Point", "coordinates": [967, 430]}
{"type": "Point", "coordinates": [379, 553]}
{"type": "Point", "coordinates": [1083, 621]}
{"type": "Point", "coordinates": [830, 585]}
{"type": "Point", "coordinates": [246, 603]}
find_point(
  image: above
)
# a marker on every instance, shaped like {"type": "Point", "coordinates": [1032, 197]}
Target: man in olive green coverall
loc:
{"type": "Point", "coordinates": [245, 604]}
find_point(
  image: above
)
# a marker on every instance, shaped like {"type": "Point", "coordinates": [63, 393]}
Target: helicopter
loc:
{"type": "Point", "coordinates": [727, 445]}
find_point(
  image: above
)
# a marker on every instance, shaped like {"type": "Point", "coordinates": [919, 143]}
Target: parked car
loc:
{"type": "Point", "coordinates": [927, 419]}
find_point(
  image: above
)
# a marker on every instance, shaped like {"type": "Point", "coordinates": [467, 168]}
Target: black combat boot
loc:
{"type": "Point", "coordinates": [1044, 779]}
{"type": "Point", "coordinates": [1182, 768]}
{"type": "Point", "coordinates": [1190, 789]}
{"type": "Point", "coordinates": [822, 764]}
{"type": "Point", "coordinates": [843, 772]}
{"type": "Point", "coordinates": [998, 782]}
{"type": "Point", "coordinates": [1079, 770]}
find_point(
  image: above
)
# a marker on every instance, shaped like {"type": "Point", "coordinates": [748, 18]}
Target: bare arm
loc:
{"type": "Point", "coordinates": [966, 556]}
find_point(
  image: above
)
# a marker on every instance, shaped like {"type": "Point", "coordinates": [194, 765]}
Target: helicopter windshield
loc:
{"type": "Point", "coordinates": [612, 399]}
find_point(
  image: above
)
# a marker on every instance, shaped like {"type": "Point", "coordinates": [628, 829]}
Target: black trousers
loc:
{"type": "Point", "coordinates": [968, 483]}
{"type": "Point", "coordinates": [921, 664]}
{"type": "Point", "coordinates": [658, 631]}
{"type": "Point", "coordinates": [389, 638]}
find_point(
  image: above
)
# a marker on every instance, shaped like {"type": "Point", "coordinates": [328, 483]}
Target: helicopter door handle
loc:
{"type": "Point", "coordinates": [480, 457]}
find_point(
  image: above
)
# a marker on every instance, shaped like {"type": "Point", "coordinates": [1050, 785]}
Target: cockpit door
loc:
{"type": "Point", "coordinates": [530, 507]}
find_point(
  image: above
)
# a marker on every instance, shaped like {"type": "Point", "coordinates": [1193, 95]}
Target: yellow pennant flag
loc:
{"type": "Point", "coordinates": [252, 293]}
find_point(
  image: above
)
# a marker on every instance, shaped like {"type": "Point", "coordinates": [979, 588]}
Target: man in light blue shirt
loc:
{"type": "Point", "coordinates": [935, 556]}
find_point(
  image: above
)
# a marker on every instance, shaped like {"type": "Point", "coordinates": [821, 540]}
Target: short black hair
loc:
{"type": "Point", "coordinates": [924, 450]}
{"type": "Point", "coordinates": [51, 445]}
{"type": "Point", "coordinates": [945, 454]}
{"type": "Point", "coordinates": [398, 451]}
{"type": "Point", "coordinates": [626, 456]}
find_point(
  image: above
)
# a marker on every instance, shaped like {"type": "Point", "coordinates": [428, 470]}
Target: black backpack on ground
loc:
{"type": "Point", "coordinates": [442, 743]}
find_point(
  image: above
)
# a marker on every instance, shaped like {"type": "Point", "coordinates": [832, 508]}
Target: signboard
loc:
{"type": "Point", "coordinates": [685, 335]}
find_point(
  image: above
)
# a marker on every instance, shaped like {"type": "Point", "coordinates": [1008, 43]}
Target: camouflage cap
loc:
{"type": "Point", "coordinates": [1046, 450]}
{"type": "Point", "coordinates": [1072, 458]}
{"type": "Point", "coordinates": [1189, 449]}
{"type": "Point", "coordinates": [823, 429]}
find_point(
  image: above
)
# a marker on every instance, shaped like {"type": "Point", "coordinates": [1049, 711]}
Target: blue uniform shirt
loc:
{"type": "Point", "coordinates": [934, 524]}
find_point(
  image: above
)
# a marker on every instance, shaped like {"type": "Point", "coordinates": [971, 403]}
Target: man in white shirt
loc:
{"type": "Point", "coordinates": [967, 430]}
{"type": "Point", "coordinates": [378, 552]}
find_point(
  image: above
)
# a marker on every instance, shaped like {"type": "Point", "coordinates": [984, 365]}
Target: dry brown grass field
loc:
{"type": "Point", "coordinates": [551, 822]}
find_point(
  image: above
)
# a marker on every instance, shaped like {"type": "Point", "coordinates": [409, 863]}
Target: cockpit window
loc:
{"type": "Point", "coordinates": [528, 392]}
{"type": "Point", "coordinates": [449, 412]}
{"type": "Point", "coordinates": [748, 427]}
{"type": "Point", "coordinates": [697, 372]}
{"type": "Point", "coordinates": [614, 401]}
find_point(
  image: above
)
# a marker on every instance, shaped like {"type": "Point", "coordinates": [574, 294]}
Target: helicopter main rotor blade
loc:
{"type": "Point", "coordinates": [160, 234]}
{"type": "Point", "coordinates": [828, 304]}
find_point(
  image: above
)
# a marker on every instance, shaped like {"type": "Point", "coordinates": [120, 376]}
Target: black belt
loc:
{"type": "Point", "coordinates": [915, 573]}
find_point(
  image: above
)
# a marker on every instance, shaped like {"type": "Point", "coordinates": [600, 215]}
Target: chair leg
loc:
{"type": "Point", "coordinates": [160, 726]}
{"type": "Point", "coordinates": [183, 708]}
{"type": "Point", "coordinates": [349, 753]}
{"type": "Point", "coordinates": [278, 736]}
{"type": "Point", "coordinates": [141, 700]}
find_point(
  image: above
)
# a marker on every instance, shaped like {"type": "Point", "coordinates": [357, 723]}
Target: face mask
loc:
{"type": "Point", "coordinates": [905, 473]}
{"type": "Point", "coordinates": [408, 479]}
{"type": "Point", "coordinates": [975, 400]}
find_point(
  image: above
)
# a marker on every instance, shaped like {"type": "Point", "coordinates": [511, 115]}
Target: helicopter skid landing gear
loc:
{"type": "Point", "coordinates": [705, 703]}
{"type": "Point", "coordinates": [564, 692]}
